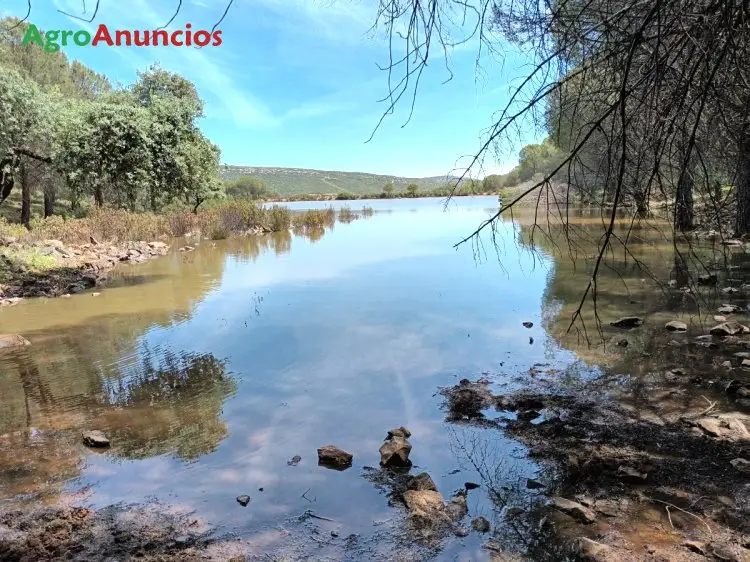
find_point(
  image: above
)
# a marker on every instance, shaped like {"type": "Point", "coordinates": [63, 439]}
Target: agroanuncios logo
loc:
{"type": "Point", "coordinates": [53, 40]}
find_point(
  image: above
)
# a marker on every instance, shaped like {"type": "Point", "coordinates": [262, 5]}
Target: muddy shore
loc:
{"type": "Point", "coordinates": [68, 269]}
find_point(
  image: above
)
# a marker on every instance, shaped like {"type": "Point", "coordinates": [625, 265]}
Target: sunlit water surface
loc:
{"type": "Point", "coordinates": [211, 369]}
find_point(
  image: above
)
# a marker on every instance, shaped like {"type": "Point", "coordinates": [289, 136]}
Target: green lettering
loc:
{"type": "Point", "coordinates": [33, 36]}
{"type": "Point", "coordinates": [65, 36]}
{"type": "Point", "coordinates": [52, 46]}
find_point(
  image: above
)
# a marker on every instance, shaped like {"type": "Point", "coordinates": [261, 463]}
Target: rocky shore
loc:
{"type": "Point", "coordinates": [67, 269]}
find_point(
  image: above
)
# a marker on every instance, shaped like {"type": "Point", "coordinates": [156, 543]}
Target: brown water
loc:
{"type": "Point", "coordinates": [210, 370]}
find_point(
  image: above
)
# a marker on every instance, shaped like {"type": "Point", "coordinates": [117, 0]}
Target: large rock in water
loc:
{"type": "Point", "coordinates": [95, 438]}
{"type": "Point", "coordinates": [676, 326]}
{"type": "Point", "coordinates": [330, 455]}
{"type": "Point", "coordinates": [728, 329]}
{"type": "Point", "coordinates": [13, 340]}
{"type": "Point", "coordinates": [627, 322]}
{"type": "Point", "coordinates": [394, 452]}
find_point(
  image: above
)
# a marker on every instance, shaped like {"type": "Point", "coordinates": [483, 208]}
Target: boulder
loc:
{"type": "Point", "coordinates": [480, 525]}
{"type": "Point", "coordinates": [593, 551]}
{"type": "Point", "coordinates": [728, 329]}
{"type": "Point", "coordinates": [696, 546]}
{"type": "Point", "coordinates": [332, 456]}
{"type": "Point", "coordinates": [741, 465]}
{"type": "Point", "coordinates": [456, 508]}
{"type": "Point", "coordinates": [676, 326]}
{"type": "Point", "coordinates": [13, 340]}
{"type": "Point", "coordinates": [729, 309]}
{"type": "Point", "coordinates": [95, 438]}
{"type": "Point", "coordinates": [394, 453]}
{"type": "Point", "coordinates": [627, 322]}
{"type": "Point", "coordinates": [399, 432]}
{"type": "Point", "coordinates": [243, 500]}
{"type": "Point", "coordinates": [719, 318]}
{"type": "Point", "coordinates": [574, 509]}
{"type": "Point", "coordinates": [425, 503]}
{"type": "Point", "coordinates": [528, 324]}
{"type": "Point", "coordinates": [421, 482]}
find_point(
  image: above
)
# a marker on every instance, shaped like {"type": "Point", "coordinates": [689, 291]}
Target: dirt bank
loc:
{"type": "Point", "coordinates": [52, 269]}
{"type": "Point", "coordinates": [619, 486]}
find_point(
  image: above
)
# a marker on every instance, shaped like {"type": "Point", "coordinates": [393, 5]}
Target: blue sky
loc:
{"type": "Point", "coordinates": [296, 84]}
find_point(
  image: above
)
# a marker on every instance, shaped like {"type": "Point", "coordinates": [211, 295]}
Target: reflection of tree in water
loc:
{"type": "Point", "coordinates": [518, 519]}
{"type": "Point", "coordinates": [165, 403]}
{"type": "Point", "coordinates": [173, 406]}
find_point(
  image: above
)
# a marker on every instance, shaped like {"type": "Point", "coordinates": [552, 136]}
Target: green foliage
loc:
{"type": "Point", "coordinates": [533, 159]}
{"type": "Point", "coordinates": [389, 189]}
{"type": "Point", "coordinates": [412, 189]}
{"type": "Point", "coordinates": [246, 187]}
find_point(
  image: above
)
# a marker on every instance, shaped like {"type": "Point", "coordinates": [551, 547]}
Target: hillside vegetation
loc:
{"type": "Point", "coordinates": [298, 181]}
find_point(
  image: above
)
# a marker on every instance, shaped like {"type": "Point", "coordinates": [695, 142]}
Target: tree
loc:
{"type": "Point", "coordinates": [389, 189]}
{"type": "Point", "coordinates": [412, 189]}
{"type": "Point", "coordinates": [247, 187]}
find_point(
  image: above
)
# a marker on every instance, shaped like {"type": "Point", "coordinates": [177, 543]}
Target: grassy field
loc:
{"type": "Point", "coordinates": [297, 181]}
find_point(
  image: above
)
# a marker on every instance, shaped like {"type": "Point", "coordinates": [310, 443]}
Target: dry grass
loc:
{"type": "Point", "coordinates": [216, 222]}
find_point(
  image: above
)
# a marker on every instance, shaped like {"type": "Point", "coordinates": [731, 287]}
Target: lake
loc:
{"type": "Point", "coordinates": [211, 369]}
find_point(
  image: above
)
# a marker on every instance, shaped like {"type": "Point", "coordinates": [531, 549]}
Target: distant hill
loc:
{"type": "Point", "coordinates": [296, 181]}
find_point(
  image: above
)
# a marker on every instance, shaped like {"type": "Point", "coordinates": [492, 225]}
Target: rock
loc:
{"type": "Point", "coordinates": [593, 551]}
{"type": "Point", "coordinates": [707, 279]}
{"type": "Point", "coordinates": [158, 245]}
{"type": "Point", "coordinates": [513, 512]}
{"type": "Point", "coordinates": [624, 343]}
{"type": "Point", "coordinates": [399, 432]}
{"type": "Point", "coordinates": [727, 365]}
{"type": "Point", "coordinates": [627, 322]}
{"type": "Point", "coordinates": [696, 546]}
{"type": "Point", "coordinates": [13, 340]}
{"type": "Point", "coordinates": [394, 452]}
{"type": "Point", "coordinates": [480, 525]}
{"type": "Point", "coordinates": [718, 318]}
{"type": "Point", "coordinates": [243, 500]}
{"type": "Point", "coordinates": [93, 240]}
{"type": "Point", "coordinates": [456, 508]}
{"type": "Point", "coordinates": [628, 473]}
{"type": "Point", "coordinates": [468, 399]}
{"type": "Point", "coordinates": [186, 249]}
{"type": "Point", "coordinates": [332, 456]}
{"type": "Point", "coordinates": [95, 438]}
{"type": "Point", "coordinates": [471, 485]}
{"type": "Point", "coordinates": [727, 552]}
{"type": "Point", "coordinates": [95, 294]}
{"type": "Point", "coordinates": [730, 290]}
{"type": "Point", "coordinates": [56, 244]}
{"type": "Point", "coordinates": [676, 326]}
{"type": "Point", "coordinates": [462, 532]}
{"type": "Point", "coordinates": [728, 329]}
{"type": "Point", "coordinates": [528, 415]}
{"type": "Point", "coordinates": [532, 484]}
{"type": "Point", "coordinates": [741, 465]}
{"type": "Point", "coordinates": [574, 509]}
{"type": "Point", "coordinates": [729, 309]}
{"type": "Point", "coordinates": [528, 324]}
{"type": "Point", "coordinates": [421, 482]}
{"type": "Point", "coordinates": [710, 426]}
{"type": "Point", "coordinates": [424, 502]}
{"type": "Point", "coordinates": [295, 460]}
{"type": "Point", "coordinates": [745, 364]}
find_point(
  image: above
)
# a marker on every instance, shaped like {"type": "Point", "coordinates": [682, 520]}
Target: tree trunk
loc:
{"type": "Point", "coordinates": [683, 210]}
{"type": "Point", "coordinates": [98, 195]}
{"type": "Point", "coordinates": [742, 184]}
{"type": "Point", "coordinates": [25, 196]}
{"type": "Point", "coordinates": [49, 200]}
{"type": "Point", "coordinates": [198, 203]}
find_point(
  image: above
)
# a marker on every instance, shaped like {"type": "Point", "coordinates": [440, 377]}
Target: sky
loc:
{"type": "Point", "coordinates": [296, 83]}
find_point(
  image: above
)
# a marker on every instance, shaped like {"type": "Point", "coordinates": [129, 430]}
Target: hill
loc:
{"type": "Point", "coordinates": [298, 181]}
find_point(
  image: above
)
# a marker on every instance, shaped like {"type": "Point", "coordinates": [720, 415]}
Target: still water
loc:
{"type": "Point", "coordinates": [209, 370]}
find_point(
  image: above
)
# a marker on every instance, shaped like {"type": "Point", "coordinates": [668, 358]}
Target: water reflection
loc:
{"type": "Point", "coordinates": [163, 403]}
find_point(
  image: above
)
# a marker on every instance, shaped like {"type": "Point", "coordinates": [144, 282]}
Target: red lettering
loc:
{"type": "Point", "coordinates": [188, 35]}
{"type": "Point", "coordinates": [120, 35]}
{"type": "Point", "coordinates": [102, 34]}
{"type": "Point", "coordinates": [175, 39]}
{"type": "Point", "coordinates": [217, 38]}
{"type": "Point", "coordinates": [202, 38]}
{"type": "Point", "coordinates": [142, 41]}
{"type": "Point", "coordinates": [164, 37]}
